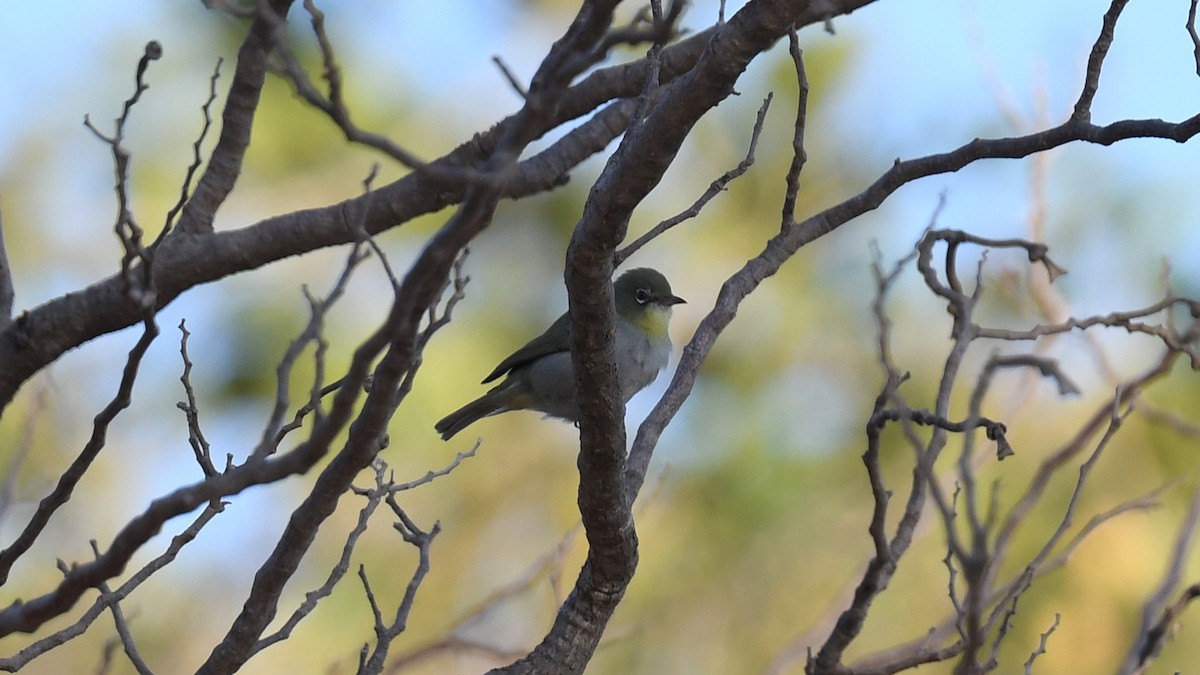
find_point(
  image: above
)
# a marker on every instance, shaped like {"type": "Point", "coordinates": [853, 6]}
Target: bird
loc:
{"type": "Point", "coordinates": [539, 376]}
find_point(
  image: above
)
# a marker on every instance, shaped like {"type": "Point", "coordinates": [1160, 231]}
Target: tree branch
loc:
{"type": "Point", "coordinates": [225, 164]}
{"type": "Point", "coordinates": [44, 333]}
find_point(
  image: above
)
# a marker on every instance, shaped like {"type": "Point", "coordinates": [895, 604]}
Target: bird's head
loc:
{"type": "Point", "coordinates": [644, 298]}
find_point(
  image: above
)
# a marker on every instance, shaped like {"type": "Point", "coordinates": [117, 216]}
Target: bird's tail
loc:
{"type": "Point", "coordinates": [468, 414]}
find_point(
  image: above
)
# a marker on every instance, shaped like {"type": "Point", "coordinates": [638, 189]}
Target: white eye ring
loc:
{"type": "Point", "coordinates": [642, 296]}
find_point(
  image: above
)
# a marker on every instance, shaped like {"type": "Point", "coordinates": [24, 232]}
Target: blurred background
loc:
{"type": "Point", "coordinates": [753, 522]}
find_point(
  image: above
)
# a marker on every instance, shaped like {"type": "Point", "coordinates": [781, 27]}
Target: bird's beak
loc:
{"type": "Point", "coordinates": [668, 300]}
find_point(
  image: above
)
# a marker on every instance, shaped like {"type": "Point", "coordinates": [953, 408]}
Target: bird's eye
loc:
{"type": "Point", "coordinates": [642, 296]}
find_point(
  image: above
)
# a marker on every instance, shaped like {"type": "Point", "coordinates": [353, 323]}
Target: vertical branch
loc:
{"type": "Point", "coordinates": [1191, 29]}
{"type": "Point", "coordinates": [191, 409]}
{"type": "Point", "coordinates": [7, 291]}
{"type": "Point", "coordinates": [603, 504]}
{"type": "Point", "coordinates": [799, 154]}
{"type": "Point", "coordinates": [237, 120]}
{"type": "Point", "coordinates": [1091, 81]}
{"type": "Point", "coordinates": [127, 230]}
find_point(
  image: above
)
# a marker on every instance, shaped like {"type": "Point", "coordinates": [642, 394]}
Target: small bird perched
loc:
{"type": "Point", "coordinates": [540, 374]}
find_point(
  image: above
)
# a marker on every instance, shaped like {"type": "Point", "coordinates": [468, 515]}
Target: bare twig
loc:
{"type": "Point", "coordinates": [508, 75]}
{"type": "Point", "coordinates": [1041, 648]}
{"type": "Point", "coordinates": [305, 410]}
{"type": "Point", "coordinates": [102, 603]}
{"type": "Point", "coordinates": [75, 472]}
{"type": "Point", "coordinates": [1127, 320]}
{"type": "Point", "coordinates": [386, 633]}
{"type": "Point", "coordinates": [715, 188]}
{"type": "Point", "coordinates": [995, 430]}
{"type": "Point", "coordinates": [197, 160]}
{"type": "Point", "coordinates": [313, 332]}
{"type": "Point", "coordinates": [952, 290]}
{"type": "Point", "coordinates": [1159, 620]}
{"type": "Point", "coordinates": [12, 471]}
{"type": "Point", "coordinates": [126, 228]}
{"type": "Point", "coordinates": [191, 410]}
{"type": "Point", "coordinates": [334, 106]}
{"type": "Point", "coordinates": [312, 598]}
{"type": "Point", "coordinates": [122, 626]}
{"type": "Point", "coordinates": [1047, 367]}
{"type": "Point", "coordinates": [434, 474]}
{"type": "Point", "coordinates": [1171, 420]}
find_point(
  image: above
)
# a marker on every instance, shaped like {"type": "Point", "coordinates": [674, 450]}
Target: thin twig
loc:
{"type": "Point", "coordinates": [434, 474]}
{"type": "Point", "coordinates": [385, 634]}
{"type": "Point", "coordinates": [12, 472]}
{"type": "Point", "coordinates": [74, 473]}
{"type": "Point", "coordinates": [122, 626]}
{"type": "Point", "coordinates": [334, 106]}
{"type": "Point", "coordinates": [197, 160]}
{"type": "Point", "coordinates": [1041, 648]}
{"type": "Point", "coordinates": [141, 290]}
{"type": "Point", "coordinates": [512, 79]}
{"type": "Point", "coordinates": [102, 603]}
{"type": "Point", "coordinates": [200, 447]}
{"type": "Point", "coordinates": [313, 332]}
{"type": "Point", "coordinates": [374, 497]}
{"type": "Point", "coordinates": [1158, 620]}
{"type": "Point", "coordinates": [715, 188]}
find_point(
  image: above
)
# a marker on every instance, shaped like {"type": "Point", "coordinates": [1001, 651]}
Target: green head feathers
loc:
{"type": "Point", "coordinates": [644, 298]}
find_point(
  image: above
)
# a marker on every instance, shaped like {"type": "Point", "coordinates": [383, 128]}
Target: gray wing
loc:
{"type": "Point", "coordinates": [555, 339]}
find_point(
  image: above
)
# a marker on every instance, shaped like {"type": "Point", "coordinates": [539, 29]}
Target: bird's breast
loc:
{"type": "Point", "coordinates": [639, 358]}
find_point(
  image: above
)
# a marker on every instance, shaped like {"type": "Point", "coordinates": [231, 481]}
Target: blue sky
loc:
{"type": "Point", "coordinates": [61, 59]}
